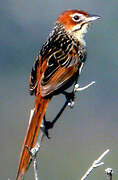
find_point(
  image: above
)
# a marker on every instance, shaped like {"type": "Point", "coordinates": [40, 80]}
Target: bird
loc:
{"type": "Point", "coordinates": [57, 66]}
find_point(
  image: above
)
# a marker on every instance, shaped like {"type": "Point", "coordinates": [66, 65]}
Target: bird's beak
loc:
{"type": "Point", "coordinates": [91, 18]}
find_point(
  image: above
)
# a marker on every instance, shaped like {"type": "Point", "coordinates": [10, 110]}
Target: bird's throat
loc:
{"type": "Point", "coordinates": [79, 34]}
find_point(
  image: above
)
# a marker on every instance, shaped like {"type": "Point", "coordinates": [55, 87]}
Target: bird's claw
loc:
{"type": "Point", "coordinates": [71, 104]}
{"type": "Point", "coordinates": [46, 126]}
{"type": "Point", "coordinates": [70, 96]}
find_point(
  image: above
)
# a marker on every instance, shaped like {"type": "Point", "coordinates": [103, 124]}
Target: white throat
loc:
{"type": "Point", "coordinates": [79, 33]}
{"type": "Point", "coordinates": [80, 37]}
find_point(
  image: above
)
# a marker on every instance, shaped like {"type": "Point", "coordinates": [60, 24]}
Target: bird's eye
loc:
{"type": "Point", "coordinates": [76, 18]}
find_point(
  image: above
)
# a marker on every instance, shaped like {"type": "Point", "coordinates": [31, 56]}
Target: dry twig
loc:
{"type": "Point", "coordinates": [96, 163]}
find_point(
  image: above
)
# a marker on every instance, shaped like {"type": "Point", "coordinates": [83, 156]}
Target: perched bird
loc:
{"type": "Point", "coordinates": [57, 67]}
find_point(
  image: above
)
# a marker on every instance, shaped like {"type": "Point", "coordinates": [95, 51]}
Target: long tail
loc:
{"type": "Point", "coordinates": [31, 135]}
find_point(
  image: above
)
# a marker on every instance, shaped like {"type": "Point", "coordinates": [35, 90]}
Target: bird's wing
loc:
{"type": "Point", "coordinates": [33, 76]}
{"type": "Point", "coordinates": [54, 68]}
{"type": "Point", "coordinates": [60, 68]}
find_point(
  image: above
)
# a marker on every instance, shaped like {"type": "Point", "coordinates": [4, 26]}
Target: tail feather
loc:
{"type": "Point", "coordinates": [31, 135]}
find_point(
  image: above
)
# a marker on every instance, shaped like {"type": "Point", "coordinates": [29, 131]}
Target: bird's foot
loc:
{"type": "Point", "coordinates": [46, 126]}
{"type": "Point", "coordinates": [34, 150]}
{"type": "Point", "coordinates": [70, 96]}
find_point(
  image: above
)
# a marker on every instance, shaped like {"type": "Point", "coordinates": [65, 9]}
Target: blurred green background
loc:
{"type": "Point", "coordinates": [82, 133]}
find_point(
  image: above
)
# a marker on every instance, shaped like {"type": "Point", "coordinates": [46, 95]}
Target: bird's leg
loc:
{"type": "Point", "coordinates": [46, 126]}
{"type": "Point", "coordinates": [70, 96]}
{"type": "Point", "coordinates": [50, 124]}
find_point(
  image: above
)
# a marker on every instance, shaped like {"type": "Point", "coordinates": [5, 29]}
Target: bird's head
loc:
{"type": "Point", "coordinates": [76, 22]}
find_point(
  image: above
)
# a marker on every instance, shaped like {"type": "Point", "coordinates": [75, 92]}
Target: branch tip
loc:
{"type": "Point", "coordinates": [77, 88]}
{"type": "Point", "coordinates": [96, 163]}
